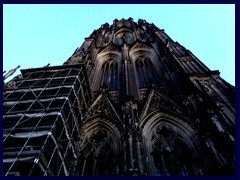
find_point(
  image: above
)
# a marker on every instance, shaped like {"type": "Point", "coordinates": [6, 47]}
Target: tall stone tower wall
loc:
{"type": "Point", "coordinates": [155, 85]}
{"type": "Point", "coordinates": [152, 109]}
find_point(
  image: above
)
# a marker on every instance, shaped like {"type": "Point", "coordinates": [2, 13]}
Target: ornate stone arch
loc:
{"type": "Point", "coordinates": [170, 145]}
{"type": "Point", "coordinates": [146, 64]}
{"type": "Point", "coordinates": [110, 57]}
{"type": "Point", "coordinates": [100, 148]}
{"type": "Point", "coordinates": [140, 49]}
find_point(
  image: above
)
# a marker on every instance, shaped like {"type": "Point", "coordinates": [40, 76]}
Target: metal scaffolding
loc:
{"type": "Point", "coordinates": [41, 120]}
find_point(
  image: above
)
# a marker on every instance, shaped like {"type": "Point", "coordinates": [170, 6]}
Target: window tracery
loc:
{"type": "Point", "coordinates": [99, 155]}
{"type": "Point", "coordinates": [110, 75]}
{"type": "Point", "coordinates": [171, 154]}
{"type": "Point", "coordinates": [145, 72]}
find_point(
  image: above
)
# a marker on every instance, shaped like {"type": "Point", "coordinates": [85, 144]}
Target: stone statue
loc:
{"type": "Point", "coordinates": [9, 73]}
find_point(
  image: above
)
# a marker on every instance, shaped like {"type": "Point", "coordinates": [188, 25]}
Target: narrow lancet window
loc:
{"type": "Point", "coordinates": [110, 75]}
{"type": "Point", "coordinates": [145, 72]}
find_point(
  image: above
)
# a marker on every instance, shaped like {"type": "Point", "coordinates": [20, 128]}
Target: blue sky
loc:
{"type": "Point", "coordinates": [35, 35]}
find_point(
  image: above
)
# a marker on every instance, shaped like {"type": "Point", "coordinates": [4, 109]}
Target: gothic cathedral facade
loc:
{"type": "Point", "coordinates": [129, 102]}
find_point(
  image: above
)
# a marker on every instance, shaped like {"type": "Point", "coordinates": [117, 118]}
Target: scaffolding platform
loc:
{"type": "Point", "coordinates": [42, 119]}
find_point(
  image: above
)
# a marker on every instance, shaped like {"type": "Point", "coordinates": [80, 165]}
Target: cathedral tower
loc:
{"type": "Point", "coordinates": [129, 101]}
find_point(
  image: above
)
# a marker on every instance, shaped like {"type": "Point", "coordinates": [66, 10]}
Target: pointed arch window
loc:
{"type": "Point", "coordinates": [171, 154]}
{"type": "Point", "coordinates": [145, 72]}
{"type": "Point", "coordinates": [98, 156]}
{"type": "Point", "coordinates": [110, 75]}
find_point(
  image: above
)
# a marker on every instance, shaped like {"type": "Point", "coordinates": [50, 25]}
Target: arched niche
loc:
{"type": "Point", "coordinates": [124, 36]}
